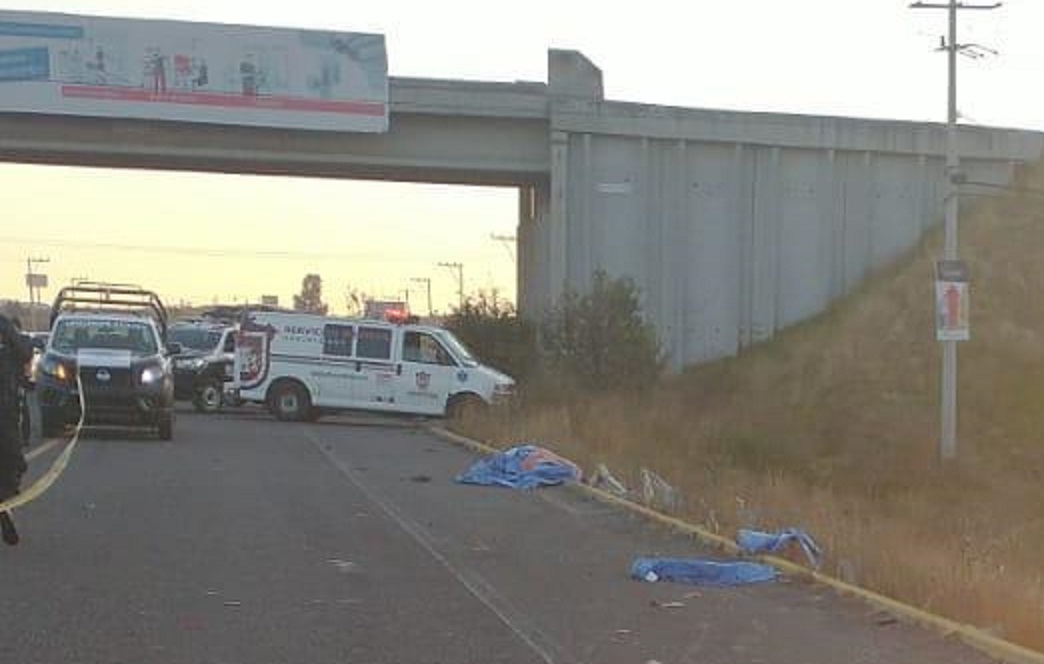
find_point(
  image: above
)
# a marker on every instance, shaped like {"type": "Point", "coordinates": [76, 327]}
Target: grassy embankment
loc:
{"type": "Point", "coordinates": [833, 426]}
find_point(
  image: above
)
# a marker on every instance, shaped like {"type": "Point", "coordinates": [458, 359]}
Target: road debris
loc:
{"type": "Point", "coordinates": [522, 467]}
{"type": "Point", "coordinates": [753, 542]}
{"type": "Point", "coordinates": [668, 605]}
{"type": "Point", "coordinates": [603, 479]}
{"type": "Point", "coordinates": [658, 494]}
{"type": "Point", "coordinates": [344, 566]}
{"type": "Point", "coordinates": [701, 572]}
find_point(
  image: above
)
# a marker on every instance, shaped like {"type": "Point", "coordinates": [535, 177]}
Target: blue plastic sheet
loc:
{"type": "Point", "coordinates": [701, 572]}
{"type": "Point", "coordinates": [755, 541]}
{"type": "Point", "coordinates": [521, 467]}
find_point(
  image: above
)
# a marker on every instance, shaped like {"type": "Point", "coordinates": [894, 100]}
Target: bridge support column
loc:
{"type": "Point", "coordinates": [558, 219]}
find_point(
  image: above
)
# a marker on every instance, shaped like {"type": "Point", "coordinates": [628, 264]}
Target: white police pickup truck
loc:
{"type": "Point", "coordinates": [302, 365]}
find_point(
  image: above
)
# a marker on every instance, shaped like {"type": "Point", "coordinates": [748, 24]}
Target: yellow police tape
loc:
{"type": "Point", "coordinates": [1002, 650]}
{"type": "Point", "coordinates": [45, 481]}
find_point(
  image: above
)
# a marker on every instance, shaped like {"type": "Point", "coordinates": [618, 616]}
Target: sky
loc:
{"type": "Point", "coordinates": [201, 237]}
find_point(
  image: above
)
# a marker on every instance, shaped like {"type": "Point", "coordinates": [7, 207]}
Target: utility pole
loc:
{"type": "Point", "coordinates": [35, 282]}
{"type": "Point", "coordinates": [459, 269]}
{"type": "Point", "coordinates": [427, 282]}
{"type": "Point", "coordinates": [954, 177]}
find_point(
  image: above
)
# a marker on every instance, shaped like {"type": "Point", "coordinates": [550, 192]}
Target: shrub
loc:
{"type": "Point", "coordinates": [492, 328]}
{"type": "Point", "coordinates": [600, 340]}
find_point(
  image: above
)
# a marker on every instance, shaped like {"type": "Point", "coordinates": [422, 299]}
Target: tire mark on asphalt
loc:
{"type": "Point", "coordinates": [542, 644]}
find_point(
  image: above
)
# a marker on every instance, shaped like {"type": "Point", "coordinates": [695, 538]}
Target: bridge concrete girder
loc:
{"type": "Point", "coordinates": [734, 225]}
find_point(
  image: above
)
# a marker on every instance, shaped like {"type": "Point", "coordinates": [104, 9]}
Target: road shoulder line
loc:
{"type": "Point", "coordinates": [1005, 651]}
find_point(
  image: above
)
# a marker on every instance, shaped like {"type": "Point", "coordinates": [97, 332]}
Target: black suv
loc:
{"type": "Point", "coordinates": [204, 365]}
{"type": "Point", "coordinates": [110, 342]}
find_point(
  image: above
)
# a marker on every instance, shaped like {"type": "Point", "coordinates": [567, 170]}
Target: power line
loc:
{"type": "Point", "coordinates": [193, 251]}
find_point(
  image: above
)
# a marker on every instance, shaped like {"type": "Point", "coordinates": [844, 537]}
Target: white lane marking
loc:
{"type": "Point", "coordinates": [541, 643]}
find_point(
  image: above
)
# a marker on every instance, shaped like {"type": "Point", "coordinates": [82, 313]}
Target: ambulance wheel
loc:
{"type": "Point", "coordinates": [290, 402]}
{"type": "Point", "coordinates": [464, 406]}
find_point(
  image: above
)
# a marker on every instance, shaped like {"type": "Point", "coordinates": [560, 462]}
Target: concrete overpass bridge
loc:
{"type": "Point", "coordinates": [734, 225]}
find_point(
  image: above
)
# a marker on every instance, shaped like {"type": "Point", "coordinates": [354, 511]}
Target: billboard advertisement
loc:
{"type": "Point", "coordinates": [193, 72]}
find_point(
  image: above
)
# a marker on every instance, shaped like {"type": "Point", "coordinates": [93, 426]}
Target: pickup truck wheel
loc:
{"type": "Point", "coordinates": [290, 402]}
{"type": "Point", "coordinates": [208, 398]}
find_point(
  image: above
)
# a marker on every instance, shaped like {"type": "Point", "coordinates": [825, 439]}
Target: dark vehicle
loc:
{"type": "Point", "coordinates": [204, 365]}
{"type": "Point", "coordinates": [109, 341]}
{"type": "Point", "coordinates": [38, 342]}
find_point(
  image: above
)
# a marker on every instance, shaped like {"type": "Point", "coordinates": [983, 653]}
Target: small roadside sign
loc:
{"type": "Point", "coordinates": [951, 301]}
{"type": "Point", "coordinates": [36, 280]}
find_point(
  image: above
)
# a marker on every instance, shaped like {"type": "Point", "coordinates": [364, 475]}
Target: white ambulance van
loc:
{"type": "Point", "coordinates": [302, 365]}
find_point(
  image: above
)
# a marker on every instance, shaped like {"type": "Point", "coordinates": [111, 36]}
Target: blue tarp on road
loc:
{"type": "Point", "coordinates": [701, 572]}
{"type": "Point", "coordinates": [521, 467]}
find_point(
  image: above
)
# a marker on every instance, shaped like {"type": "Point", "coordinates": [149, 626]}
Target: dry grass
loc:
{"type": "Point", "coordinates": [834, 426]}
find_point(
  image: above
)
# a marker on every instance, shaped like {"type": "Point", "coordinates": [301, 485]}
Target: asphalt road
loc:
{"type": "Point", "coordinates": [247, 541]}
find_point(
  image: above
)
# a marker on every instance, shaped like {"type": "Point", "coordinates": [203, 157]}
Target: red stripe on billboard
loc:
{"type": "Point", "coordinates": [264, 102]}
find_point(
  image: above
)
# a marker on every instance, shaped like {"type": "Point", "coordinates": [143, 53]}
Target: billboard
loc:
{"type": "Point", "coordinates": [193, 72]}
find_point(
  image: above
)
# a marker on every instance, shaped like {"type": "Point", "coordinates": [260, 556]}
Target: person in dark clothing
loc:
{"type": "Point", "coordinates": [15, 354]}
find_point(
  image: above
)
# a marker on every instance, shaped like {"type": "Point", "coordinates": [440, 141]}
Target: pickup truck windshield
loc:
{"type": "Point", "coordinates": [98, 333]}
{"type": "Point", "coordinates": [195, 338]}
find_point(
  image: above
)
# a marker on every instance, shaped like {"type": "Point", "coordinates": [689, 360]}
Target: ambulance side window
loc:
{"type": "Point", "coordinates": [337, 340]}
{"type": "Point", "coordinates": [424, 349]}
{"type": "Point", "coordinates": [374, 343]}
{"type": "Point", "coordinates": [230, 343]}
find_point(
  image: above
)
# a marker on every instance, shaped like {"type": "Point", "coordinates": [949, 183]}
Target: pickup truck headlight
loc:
{"type": "Point", "coordinates": [150, 375]}
{"type": "Point", "coordinates": [55, 369]}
